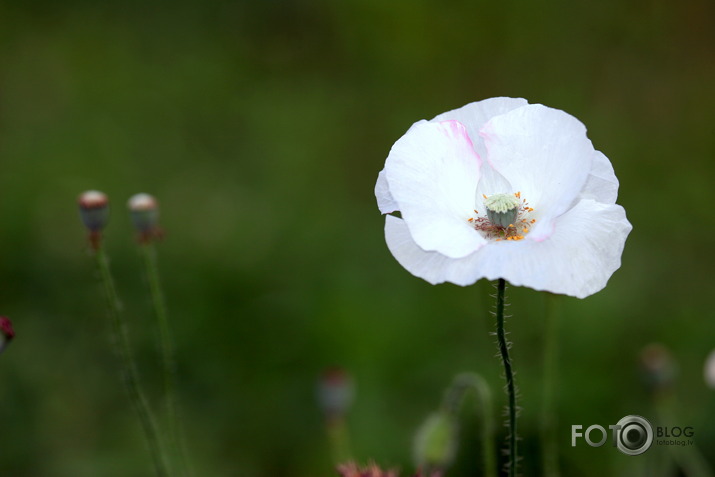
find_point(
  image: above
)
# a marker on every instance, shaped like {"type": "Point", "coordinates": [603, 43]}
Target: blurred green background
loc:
{"type": "Point", "coordinates": [261, 127]}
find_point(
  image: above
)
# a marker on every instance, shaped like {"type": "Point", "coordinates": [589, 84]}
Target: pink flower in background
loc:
{"type": "Point", "coordinates": [6, 332]}
{"type": "Point", "coordinates": [503, 189]}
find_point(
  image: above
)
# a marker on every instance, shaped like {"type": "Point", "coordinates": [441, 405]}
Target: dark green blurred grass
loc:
{"type": "Point", "coordinates": [261, 127]}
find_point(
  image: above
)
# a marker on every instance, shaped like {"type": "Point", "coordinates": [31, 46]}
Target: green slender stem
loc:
{"type": "Point", "coordinates": [337, 431]}
{"type": "Point", "coordinates": [508, 375]}
{"type": "Point", "coordinates": [148, 252]}
{"type": "Point", "coordinates": [549, 447]}
{"type": "Point", "coordinates": [129, 372]}
{"type": "Point", "coordinates": [452, 402]}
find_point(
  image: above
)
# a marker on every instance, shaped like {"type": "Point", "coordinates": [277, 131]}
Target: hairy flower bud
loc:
{"type": "Point", "coordinates": [658, 368]}
{"type": "Point", "coordinates": [436, 441]}
{"type": "Point", "coordinates": [144, 211]}
{"type": "Point", "coordinates": [335, 392]}
{"type": "Point", "coordinates": [6, 332]}
{"type": "Point", "coordinates": [94, 210]}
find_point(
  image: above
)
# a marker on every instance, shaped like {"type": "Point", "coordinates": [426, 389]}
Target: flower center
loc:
{"type": "Point", "coordinates": [508, 217]}
{"type": "Point", "coordinates": [502, 209]}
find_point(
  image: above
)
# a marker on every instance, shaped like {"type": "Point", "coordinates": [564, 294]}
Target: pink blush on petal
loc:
{"type": "Point", "coordinates": [456, 131]}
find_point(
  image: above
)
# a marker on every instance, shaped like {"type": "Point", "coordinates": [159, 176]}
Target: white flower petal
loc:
{"type": "Point", "coordinates": [385, 202]}
{"type": "Point", "coordinates": [602, 184]}
{"type": "Point", "coordinates": [577, 259]}
{"type": "Point", "coordinates": [490, 182]}
{"type": "Point", "coordinates": [477, 114]}
{"type": "Point", "coordinates": [545, 154]}
{"type": "Point", "coordinates": [581, 254]}
{"type": "Point", "coordinates": [431, 266]}
{"type": "Point", "coordinates": [432, 173]}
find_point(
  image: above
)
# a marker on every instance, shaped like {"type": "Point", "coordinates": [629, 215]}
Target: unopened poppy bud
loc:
{"type": "Point", "coordinates": [6, 332]}
{"type": "Point", "coordinates": [144, 211]}
{"type": "Point", "coordinates": [335, 392]}
{"type": "Point", "coordinates": [658, 367]}
{"type": "Point", "coordinates": [436, 441]}
{"type": "Point", "coordinates": [94, 210]}
{"type": "Point", "coordinates": [709, 371]}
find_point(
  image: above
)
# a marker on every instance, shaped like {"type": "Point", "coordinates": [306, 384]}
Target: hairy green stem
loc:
{"type": "Point", "coordinates": [508, 375]}
{"type": "Point", "coordinates": [129, 372]}
{"type": "Point", "coordinates": [168, 360]}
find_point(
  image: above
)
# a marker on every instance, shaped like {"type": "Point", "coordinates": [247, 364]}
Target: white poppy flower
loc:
{"type": "Point", "coordinates": [503, 189]}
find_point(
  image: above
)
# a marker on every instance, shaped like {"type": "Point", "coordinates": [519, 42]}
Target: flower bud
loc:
{"type": "Point", "coordinates": [144, 211]}
{"type": "Point", "coordinates": [436, 441]}
{"type": "Point", "coordinates": [335, 392]}
{"type": "Point", "coordinates": [94, 210]}
{"type": "Point", "coordinates": [658, 367]}
{"type": "Point", "coordinates": [6, 332]}
{"type": "Point", "coordinates": [709, 371]}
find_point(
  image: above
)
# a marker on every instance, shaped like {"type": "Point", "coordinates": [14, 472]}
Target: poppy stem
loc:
{"type": "Point", "coordinates": [129, 374]}
{"type": "Point", "coordinates": [148, 252]}
{"type": "Point", "coordinates": [504, 346]}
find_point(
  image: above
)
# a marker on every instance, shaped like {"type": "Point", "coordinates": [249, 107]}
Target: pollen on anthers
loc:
{"type": "Point", "coordinates": [508, 217]}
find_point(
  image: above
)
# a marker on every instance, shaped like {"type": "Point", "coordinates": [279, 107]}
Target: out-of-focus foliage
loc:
{"type": "Point", "coordinates": [261, 126]}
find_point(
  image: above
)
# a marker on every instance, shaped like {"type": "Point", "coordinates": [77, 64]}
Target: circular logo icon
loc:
{"type": "Point", "coordinates": [634, 436]}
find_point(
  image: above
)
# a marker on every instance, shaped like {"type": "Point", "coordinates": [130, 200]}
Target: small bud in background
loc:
{"type": "Point", "coordinates": [94, 212]}
{"type": "Point", "coordinates": [709, 371]}
{"type": "Point", "coordinates": [335, 392]}
{"type": "Point", "coordinates": [335, 395]}
{"type": "Point", "coordinates": [144, 212]}
{"type": "Point", "coordinates": [658, 368]}
{"type": "Point", "coordinates": [436, 443]}
{"type": "Point", "coordinates": [6, 333]}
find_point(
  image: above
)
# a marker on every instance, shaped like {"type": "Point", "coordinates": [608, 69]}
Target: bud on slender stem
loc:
{"type": "Point", "coordinates": [335, 395]}
{"type": "Point", "coordinates": [94, 212]}
{"type": "Point", "coordinates": [436, 442]}
{"type": "Point", "coordinates": [658, 368]}
{"type": "Point", "coordinates": [144, 212]}
{"type": "Point", "coordinates": [335, 392]}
